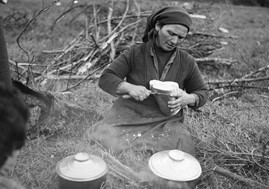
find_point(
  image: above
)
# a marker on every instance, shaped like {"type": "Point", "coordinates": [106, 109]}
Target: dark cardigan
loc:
{"type": "Point", "coordinates": [138, 65]}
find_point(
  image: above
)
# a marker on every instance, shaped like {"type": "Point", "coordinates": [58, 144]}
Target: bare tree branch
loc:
{"type": "Point", "coordinates": [229, 174]}
{"type": "Point", "coordinates": [44, 9]}
{"type": "Point", "coordinates": [256, 71]}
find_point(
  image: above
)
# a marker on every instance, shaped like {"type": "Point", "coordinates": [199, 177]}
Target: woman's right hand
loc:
{"type": "Point", "coordinates": [138, 92]}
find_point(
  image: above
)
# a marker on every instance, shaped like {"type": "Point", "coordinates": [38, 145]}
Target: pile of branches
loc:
{"type": "Point", "coordinates": [102, 41]}
{"type": "Point", "coordinates": [234, 87]}
{"type": "Point", "coordinates": [246, 167]}
{"type": "Point", "coordinates": [104, 37]}
{"type": "Point", "coordinates": [89, 52]}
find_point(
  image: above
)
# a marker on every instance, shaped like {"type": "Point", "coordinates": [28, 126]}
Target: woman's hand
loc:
{"type": "Point", "coordinates": [180, 99]}
{"type": "Point", "coordinates": [138, 92]}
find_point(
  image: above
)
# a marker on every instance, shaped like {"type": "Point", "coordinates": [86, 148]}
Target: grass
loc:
{"type": "Point", "coordinates": [228, 133]}
{"type": "Point", "coordinates": [233, 125]}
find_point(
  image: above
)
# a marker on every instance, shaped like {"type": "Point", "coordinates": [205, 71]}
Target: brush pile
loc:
{"type": "Point", "coordinates": [103, 38]}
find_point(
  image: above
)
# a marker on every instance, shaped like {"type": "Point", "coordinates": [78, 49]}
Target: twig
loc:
{"type": "Point", "coordinates": [225, 95]}
{"type": "Point", "coordinates": [70, 74]}
{"type": "Point", "coordinates": [210, 35]}
{"type": "Point", "coordinates": [206, 60]}
{"type": "Point", "coordinates": [101, 49]}
{"type": "Point", "coordinates": [66, 49]}
{"type": "Point", "coordinates": [95, 22]}
{"type": "Point", "coordinates": [236, 81]}
{"type": "Point", "coordinates": [116, 173]}
{"type": "Point", "coordinates": [265, 96]}
{"type": "Point", "coordinates": [122, 168]}
{"type": "Point", "coordinates": [63, 14]}
{"type": "Point", "coordinates": [235, 154]}
{"type": "Point", "coordinates": [86, 28]}
{"type": "Point", "coordinates": [52, 51]}
{"type": "Point", "coordinates": [263, 167]}
{"type": "Point", "coordinates": [229, 174]}
{"type": "Point", "coordinates": [111, 38]}
{"type": "Point", "coordinates": [27, 25]}
{"type": "Point", "coordinates": [65, 77]}
{"type": "Point", "coordinates": [137, 5]}
{"type": "Point", "coordinates": [65, 67]}
{"type": "Point", "coordinates": [94, 41]}
{"type": "Point", "coordinates": [253, 87]}
{"type": "Point", "coordinates": [19, 65]}
{"type": "Point", "coordinates": [250, 79]}
{"type": "Point", "coordinates": [90, 74]}
{"type": "Point", "coordinates": [119, 24]}
{"type": "Point", "coordinates": [255, 72]}
{"type": "Point", "coordinates": [119, 18]}
{"type": "Point", "coordinates": [117, 167]}
{"type": "Point", "coordinates": [122, 29]}
{"type": "Point", "coordinates": [109, 29]}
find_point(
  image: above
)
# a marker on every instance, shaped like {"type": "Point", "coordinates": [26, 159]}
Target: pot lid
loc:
{"type": "Point", "coordinates": [81, 167]}
{"type": "Point", "coordinates": [175, 165]}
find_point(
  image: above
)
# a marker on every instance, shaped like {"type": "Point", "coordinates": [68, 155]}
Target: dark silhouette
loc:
{"type": "Point", "coordinates": [14, 115]}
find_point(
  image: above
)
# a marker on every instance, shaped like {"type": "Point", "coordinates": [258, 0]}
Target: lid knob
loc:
{"type": "Point", "coordinates": [82, 156]}
{"type": "Point", "coordinates": [176, 155]}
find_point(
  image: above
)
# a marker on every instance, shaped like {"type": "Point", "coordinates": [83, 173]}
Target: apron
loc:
{"type": "Point", "coordinates": [129, 124]}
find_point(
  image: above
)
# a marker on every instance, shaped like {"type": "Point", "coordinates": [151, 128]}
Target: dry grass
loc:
{"type": "Point", "coordinates": [229, 133]}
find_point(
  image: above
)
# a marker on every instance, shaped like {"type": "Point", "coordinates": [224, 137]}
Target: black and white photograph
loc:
{"type": "Point", "coordinates": [134, 94]}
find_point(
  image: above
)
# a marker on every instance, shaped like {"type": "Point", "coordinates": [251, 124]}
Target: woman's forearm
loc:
{"type": "Point", "coordinates": [109, 82]}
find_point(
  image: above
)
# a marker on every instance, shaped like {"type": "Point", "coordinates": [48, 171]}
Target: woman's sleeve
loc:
{"type": "Point", "coordinates": [195, 84]}
{"type": "Point", "coordinates": [115, 73]}
{"type": "Point", "coordinates": [4, 64]}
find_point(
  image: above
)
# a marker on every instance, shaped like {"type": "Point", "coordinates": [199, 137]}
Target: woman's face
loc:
{"type": "Point", "coordinates": [170, 35]}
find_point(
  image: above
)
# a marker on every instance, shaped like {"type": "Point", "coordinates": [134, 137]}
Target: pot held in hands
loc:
{"type": "Point", "coordinates": [162, 91]}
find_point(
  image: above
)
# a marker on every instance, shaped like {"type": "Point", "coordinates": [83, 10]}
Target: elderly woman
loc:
{"type": "Point", "coordinates": [139, 122]}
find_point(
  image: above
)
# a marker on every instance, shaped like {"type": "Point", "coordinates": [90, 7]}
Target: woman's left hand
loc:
{"type": "Point", "coordinates": [180, 99]}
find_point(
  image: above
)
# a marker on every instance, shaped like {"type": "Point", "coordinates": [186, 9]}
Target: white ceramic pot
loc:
{"type": "Point", "coordinates": [82, 171]}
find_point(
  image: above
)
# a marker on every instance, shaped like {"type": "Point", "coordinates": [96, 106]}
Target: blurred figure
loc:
{"type": "Point", "coordinates": [4, 64]}
{"type": "Point", "coordinates": [14, 115]}
{"type": "Point", "coordinates": [5, 77]}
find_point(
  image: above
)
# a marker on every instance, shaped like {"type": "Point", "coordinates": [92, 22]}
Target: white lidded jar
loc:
{"type": "Point", "coordinates": [81, 171]}
{"type": "Point", "coordinates": [162, 91]}
{"type": "Point", "coordinates": [175, 165]}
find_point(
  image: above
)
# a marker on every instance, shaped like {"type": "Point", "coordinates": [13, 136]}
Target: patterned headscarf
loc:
{"type": "Point", "coordinates": [167, 15]}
